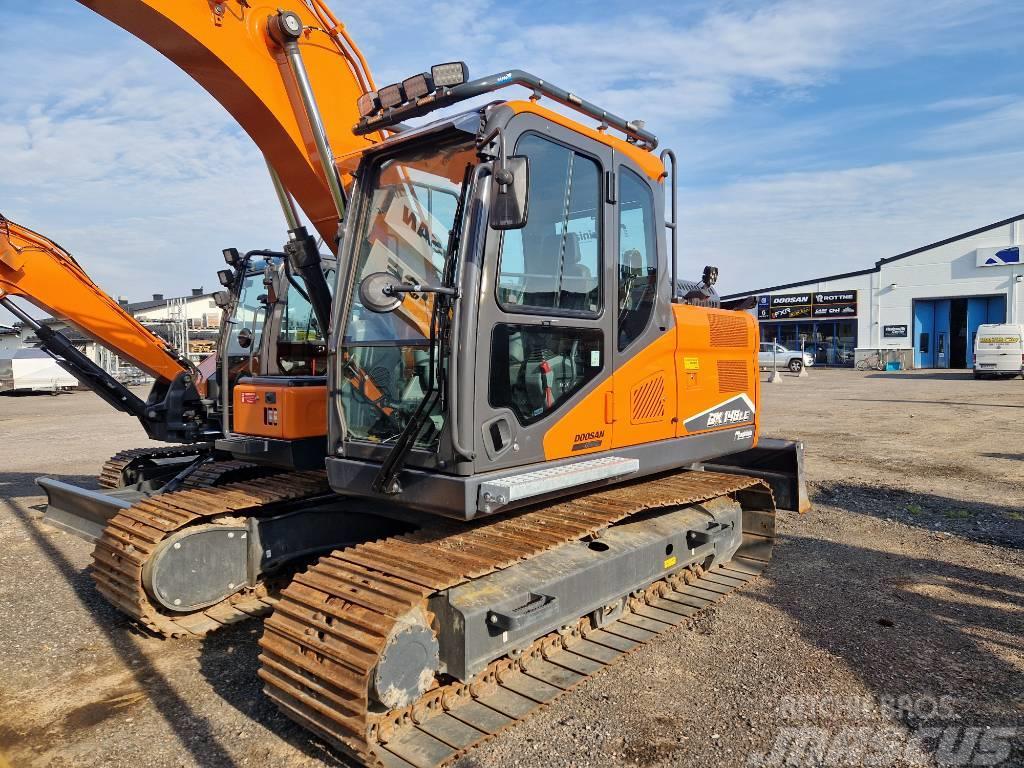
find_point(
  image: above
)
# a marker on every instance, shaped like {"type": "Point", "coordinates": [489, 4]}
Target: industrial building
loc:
{"type": "Point", "coordinates": [922, 307]}
{"type": "Point", "coordinates": [186, 322]}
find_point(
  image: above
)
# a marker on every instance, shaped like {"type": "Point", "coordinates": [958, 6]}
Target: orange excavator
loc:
{"type": "Point", "coordinates": [537, 447]}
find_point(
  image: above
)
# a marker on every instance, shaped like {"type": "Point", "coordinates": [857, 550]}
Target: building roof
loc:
{"type": "Point", "coordinates": [142, 306]}
{"type": "Point", "coordinates": [881, 262]}
{"type": "Point", "coordinates": [24, 353]}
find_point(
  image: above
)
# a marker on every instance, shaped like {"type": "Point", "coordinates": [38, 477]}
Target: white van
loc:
{"type": "Point", "coordinates": [999, 350]}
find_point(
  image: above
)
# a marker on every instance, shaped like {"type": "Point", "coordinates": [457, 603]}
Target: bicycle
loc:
{"type": "Point", "coordinates": [873, 362]}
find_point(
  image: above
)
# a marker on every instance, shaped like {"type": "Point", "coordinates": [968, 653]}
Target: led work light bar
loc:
{"type": "Point", "coordinates": [449, 83]}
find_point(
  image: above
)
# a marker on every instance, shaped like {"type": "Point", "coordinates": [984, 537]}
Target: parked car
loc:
{"type": "Point", "coordinates": [999, 350]}
{"type": "Point", "coordinates": [777, 354]}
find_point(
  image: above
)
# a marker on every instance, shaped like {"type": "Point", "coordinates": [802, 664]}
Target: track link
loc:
{"type": "Point", "coordinates": [132, 535]}
{"type": "Point", "coordinates": [334, 621]}
{"type": "Point", "coordinates": [221, 472]}
{"type": "Point", "coordinates": [112, 473]}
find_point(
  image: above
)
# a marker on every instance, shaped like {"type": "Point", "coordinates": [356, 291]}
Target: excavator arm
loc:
{"type": "Point", "coordinates": [234, 50]}
{"type": "Point", "coordinates": [37, 269]}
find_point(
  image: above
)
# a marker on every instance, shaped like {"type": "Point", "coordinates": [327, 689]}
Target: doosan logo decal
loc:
{"type": "Point", "coordinates": [733, 412]}
{"type": "Point", "coordinates": [585, 440]}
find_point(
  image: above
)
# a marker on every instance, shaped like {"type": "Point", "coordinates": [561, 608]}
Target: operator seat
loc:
{"type": "Point", "coordinates": [577, 280]}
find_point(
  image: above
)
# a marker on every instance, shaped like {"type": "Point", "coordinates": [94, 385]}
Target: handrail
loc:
{"type": "Point", "coordinates": [673, 223]}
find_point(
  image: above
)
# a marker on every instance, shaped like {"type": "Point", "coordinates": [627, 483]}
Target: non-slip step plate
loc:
{"type": "Point", "coordinates": [504, 490]}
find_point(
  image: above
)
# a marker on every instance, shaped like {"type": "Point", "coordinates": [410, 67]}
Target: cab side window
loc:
{"type": "Point", "coordinates": [638, 257]}
{"type": "Point", "coordinates": [535, 369]}
{"type": "Point", "coordinates": [554, 262]}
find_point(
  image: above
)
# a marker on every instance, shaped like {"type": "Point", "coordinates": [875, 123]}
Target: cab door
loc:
{"type": "Point", "coordinates": [545, 331]}
{"type": "Point", "coordinates": [644, 387]}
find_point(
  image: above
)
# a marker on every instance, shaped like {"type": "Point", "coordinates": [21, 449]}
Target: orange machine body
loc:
{"type": "Point", "coordinates": [706, 362]}
{"type": "Point", "coordinates": [280, 409]}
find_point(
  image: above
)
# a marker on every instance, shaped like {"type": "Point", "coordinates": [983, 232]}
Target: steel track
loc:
{"type": "Point", "coordinates": [333, 622]}
{"type": "Point", "coordinates": [112, 473]}
{"type": "Point", "coordinates": [132, 536]}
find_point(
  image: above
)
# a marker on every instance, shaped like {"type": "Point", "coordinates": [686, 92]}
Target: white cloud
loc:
{"type": "Point", "coordinates": [998, 127]}
{"type": "Point", "coordinates": [129, 164]}
{"type": "Point", "coordinates": [771, 230]}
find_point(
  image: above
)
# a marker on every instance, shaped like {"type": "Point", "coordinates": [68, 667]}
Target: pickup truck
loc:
{"type": "Point", "coordinates": [776, 354]}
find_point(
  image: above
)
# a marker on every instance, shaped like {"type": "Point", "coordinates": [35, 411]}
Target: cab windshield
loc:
{"type": "Point", "coordinates": [405, 229]}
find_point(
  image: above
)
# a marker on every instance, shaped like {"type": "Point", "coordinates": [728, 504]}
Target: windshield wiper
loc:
{"type": "Point", "coordinates": [386, 480]}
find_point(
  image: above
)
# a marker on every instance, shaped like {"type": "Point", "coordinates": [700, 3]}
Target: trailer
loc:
{"type": "Point", "coordinates": [32, 370]}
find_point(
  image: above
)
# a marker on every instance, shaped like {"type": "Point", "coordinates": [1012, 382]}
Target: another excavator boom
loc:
{"type": "Point", "coordinates": [35, 268]}
{"type": "Point", "coordinates": [228, 49]}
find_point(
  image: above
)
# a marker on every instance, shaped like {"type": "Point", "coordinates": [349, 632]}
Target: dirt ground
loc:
{"type": "Point", "coordinates": [888, 630]}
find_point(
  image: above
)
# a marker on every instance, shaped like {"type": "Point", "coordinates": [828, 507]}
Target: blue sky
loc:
{"type": "Point", "coordinates": [814, 137]}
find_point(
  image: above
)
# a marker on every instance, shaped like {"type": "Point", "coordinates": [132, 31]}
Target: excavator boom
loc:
{"type": "Point", "coordinates": [37, 269]}
{"type": "Point", "coordinates": [228, 48]}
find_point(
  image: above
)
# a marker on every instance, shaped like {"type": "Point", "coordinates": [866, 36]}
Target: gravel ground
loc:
{"type": "Point", "coordinates": [888, 630]}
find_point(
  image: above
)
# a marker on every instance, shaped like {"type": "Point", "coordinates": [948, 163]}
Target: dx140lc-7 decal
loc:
{"type": "Point", "coordinates": [736, 410]}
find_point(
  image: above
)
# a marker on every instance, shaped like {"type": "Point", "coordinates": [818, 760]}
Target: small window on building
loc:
{"type": "Point", "coordinates": [924, 343]}
{"type": "Point", "coordinates": [554, 262]}
{"type": "Point", "coordinates": [638, 257]}
{"type": "Point", "coordinates": [536, 369]}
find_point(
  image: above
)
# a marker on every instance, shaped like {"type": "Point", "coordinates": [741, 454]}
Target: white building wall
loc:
{"type": "Point", "coordinates": [9, 342]}
{"type": "Point", "coordinates": [200, 309]}
{"type": "Point", "coordinates": [886, 296]}
{"type": "Point", "coordinates": [949, 271]}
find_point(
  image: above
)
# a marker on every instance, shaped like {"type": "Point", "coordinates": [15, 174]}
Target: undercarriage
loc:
{"type": "Point", "coordinates": [410, 650]}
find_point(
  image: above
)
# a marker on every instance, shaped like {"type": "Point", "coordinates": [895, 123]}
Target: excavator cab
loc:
{"type": "Point", "coordinates": [274, 352]}
{"type": "Point", "coordinates": [508, 327]}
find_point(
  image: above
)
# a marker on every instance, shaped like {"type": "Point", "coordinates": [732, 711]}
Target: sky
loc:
{"type": "Point", "coordinates": [813, 137]}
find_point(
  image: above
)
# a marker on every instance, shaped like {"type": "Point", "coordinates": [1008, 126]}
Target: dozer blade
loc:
{"type": "Point", "coordinates": [780, 463]}
{"type": "Point", "coordinates": [82, 511]}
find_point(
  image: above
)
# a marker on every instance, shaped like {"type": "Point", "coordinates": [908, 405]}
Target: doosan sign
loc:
{"type": "Point", "coordinates": [797, 306]}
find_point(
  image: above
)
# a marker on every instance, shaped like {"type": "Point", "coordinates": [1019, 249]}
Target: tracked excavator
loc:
{"type": "Point", "coordinates": [541, 447]}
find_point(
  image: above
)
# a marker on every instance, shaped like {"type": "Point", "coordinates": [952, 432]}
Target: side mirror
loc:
{"type": "Point", "coordinates": [245, 338]}
{"type": "Point", "coordinates": [377, 292]}
{"type": "Point", "coordinates": [510, 186]}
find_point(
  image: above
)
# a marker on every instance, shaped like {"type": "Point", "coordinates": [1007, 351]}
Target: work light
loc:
{"type": "Point", "coordinates": [367, 104]}
{"type": "Point", "coordinates": [225, 277]}
{"type": "Point", "coordinates": [417, 86]}
{"type": "Point", "coordinates": [449, 74]}
{"type": "Point", "coordinates": [390, 95]}
{"type": "Point", "coordinates": [231, 257]}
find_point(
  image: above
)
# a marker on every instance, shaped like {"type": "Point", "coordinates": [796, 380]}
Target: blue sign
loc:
{"type": "Point", "coordinates": [1003, 256]}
